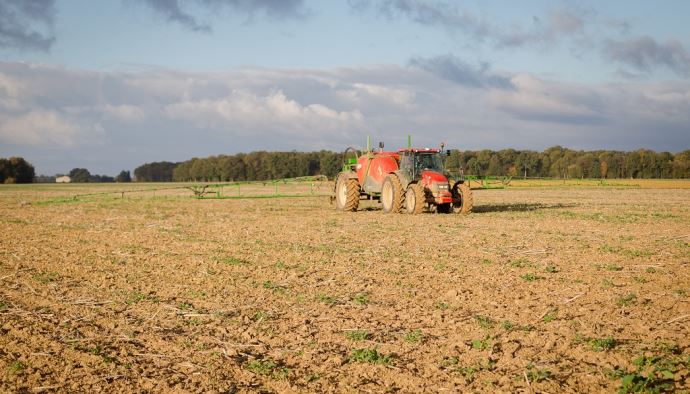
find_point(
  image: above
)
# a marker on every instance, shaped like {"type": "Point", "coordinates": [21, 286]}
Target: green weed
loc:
{"type": "Point", "coordinates": [551, 269]}
{"type": "Point", "coordinates": [602, 344]}
{"type": "Point", "coordinates": [361, 299]}
{"type": "Point", "coordinates": [530, 277]}
{"type": "Point", "coordinates": [413, 336]}
{"type": "Point", "coordinates": [268, 367]}
{"type": "Point", "coordinates": [260, 316]}
{"type": "Point", "coordinates": [16, 367]}
{"type": "Point", "coordinates": [481, 344]}
{"type": "Point", "coordinates": [46, 277]}
{"type": "Point", "coordinates": [230, 260]}
{"type": "Point", "coordinates": [369, 356]}
{"type": "Point", "coordinates": [626, 300]}
{"type": "Point", "coordinates": [357, 335]}
{"type": "Point", "coordinates": [549, 317]}
{"type": "Point", "coordinates": [537, 375]}
{"type": "Point", "coordinates": [484, 321]}
{"type": "Point", "coordinates": [326, 299]}
{"type": "Point", "coordinates": [653, 374]}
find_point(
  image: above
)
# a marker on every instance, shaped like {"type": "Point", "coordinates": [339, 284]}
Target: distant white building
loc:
{"type": "Point", "coordinates": [63, 179]}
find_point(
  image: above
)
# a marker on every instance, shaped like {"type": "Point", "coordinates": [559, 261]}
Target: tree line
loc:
{"type": "Point", "coordinates": [554, 162]}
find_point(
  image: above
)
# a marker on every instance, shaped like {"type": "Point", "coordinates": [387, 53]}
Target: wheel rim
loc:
{"type": "Point", "coordinates": [342, 193]}
{"type": "Point", "coordinates": [387, 196]}
{"type": "Point", "coordinates": [410, 200]}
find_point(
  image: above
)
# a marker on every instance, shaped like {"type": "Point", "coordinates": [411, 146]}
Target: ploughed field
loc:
{"type": "Point", "coordinates": [549, 288]}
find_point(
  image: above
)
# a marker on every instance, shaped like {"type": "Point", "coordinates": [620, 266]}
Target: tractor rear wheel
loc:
{"type": "Point", "coordinates": [346, 193]}
{"type": "Point", "coordinates": [464, 193]}
{"type": "Point", "coordinates": [414, 199]}
{"type": "Point", "coordinates": [392, 194]}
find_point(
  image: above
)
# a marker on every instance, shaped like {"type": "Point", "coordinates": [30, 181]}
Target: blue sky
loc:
{"type": "Point", "coordinates": [109, 85]}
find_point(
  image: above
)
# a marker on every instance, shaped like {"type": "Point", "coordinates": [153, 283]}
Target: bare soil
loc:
{"type": "Point", "coordinates": [564, 289]}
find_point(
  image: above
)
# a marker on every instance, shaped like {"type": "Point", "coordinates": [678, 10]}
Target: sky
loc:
{"type": "Point", "coordinates": [109, 85]}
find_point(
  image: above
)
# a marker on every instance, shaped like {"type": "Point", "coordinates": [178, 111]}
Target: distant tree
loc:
{"type": "Point", "coordinates": [16, 170]}
{"type": "Point", "coordinates": [80, 175]}
{"type": "Point", "coordinates": [123, 176]}
{"type": "Point", "coordinates": [101, 178]}
{"type": "Point", "coordinates": [155, 172]}
{"type": "Point", "coordinates": [557, 162]}
{"type": "Point", "coordinates": [44, 179]}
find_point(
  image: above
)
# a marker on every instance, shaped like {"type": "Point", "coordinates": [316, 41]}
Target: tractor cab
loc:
{"type": "Point", "coordinates": [413, 162]}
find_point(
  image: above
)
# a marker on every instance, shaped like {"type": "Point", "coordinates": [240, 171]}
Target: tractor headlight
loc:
{"type": "Point", "coordinates": [443, 187]}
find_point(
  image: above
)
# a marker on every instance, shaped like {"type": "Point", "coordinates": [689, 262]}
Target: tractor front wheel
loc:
{"type": "Point", "coordinates": [414, 199]}
{"type": "Point", "coordinates": [462, 196]}
{"type": "Point", "coordinates": [392, 194]}
{"type": "Point", "coordinates": [346, 193]}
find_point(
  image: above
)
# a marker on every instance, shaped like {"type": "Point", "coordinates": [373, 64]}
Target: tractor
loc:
{"type": "Point", "coordinates": [404, 181]}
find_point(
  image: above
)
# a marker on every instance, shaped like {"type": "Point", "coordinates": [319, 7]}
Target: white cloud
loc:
{"type": "Point", "coordinates": [47, 128]}
{"type": "Point", "coordinates": [125, 113]}
{"type": "Point", "coordinates": [243, 112]}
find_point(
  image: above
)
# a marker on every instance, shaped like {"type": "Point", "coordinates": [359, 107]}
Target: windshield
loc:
{"type": "Point", "coordinates": [429, 161]}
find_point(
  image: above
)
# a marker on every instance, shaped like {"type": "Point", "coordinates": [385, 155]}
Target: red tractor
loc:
{"type": "Point", "coordinates": [405, 180]}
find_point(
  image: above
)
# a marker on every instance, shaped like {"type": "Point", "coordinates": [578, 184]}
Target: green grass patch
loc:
{"type": "Point", "coordinates": [626, 300]}
{"type": "Point", "coordinates": [530, 277]}
{"type": "Point", "coordinates": [414, 336]}
{"type": "Point", "coordinates": [484, 321]}
{"type": "Point", "coordinates": [46, 277]}
{"type": "Point", "coordinates": [326, 299]}
{"type": "Point", "coordinates": [231, 260]}
{"type": "Point", "coordinates": [361, 299]}
{"type": "Point", "coordinates": [357, 335]}
{"type": "Point", "coordinates": [369, 356]}
{"type": "Point", "coordinates": [268, 367]}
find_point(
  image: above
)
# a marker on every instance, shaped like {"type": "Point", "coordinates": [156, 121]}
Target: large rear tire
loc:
{"type": "Point", "coordinates": [415, 199]}
{"type": "Point", "coordinates": [392, 197]}
{"type": "Point", "coordinates": [346, 193]}
{"type": "Point", "coordinates": [464, 193]}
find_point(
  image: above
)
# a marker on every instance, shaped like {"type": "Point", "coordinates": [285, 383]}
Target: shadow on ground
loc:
{"type": "Point", "coordinates": [519, 207]}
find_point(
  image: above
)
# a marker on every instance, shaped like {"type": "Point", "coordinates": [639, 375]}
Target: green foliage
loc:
{"type": "Point", "coordinates": [123, 176]}
{"type": "Point", "coordinates": [16, 170]}
{"type": "Point", "coordinates": [268, 367]}
{"type": "Point", "coordinates": [45, 277]}
{"type": "Point", "coordinates": [230, 260]}
{"type": "Point", "coordinates": [481, 344]}
{"type": "Point", "coordinates": [414, 336]}
{"type": "Point", "coordinates": [549, 317]}
{"type": "Point", "coordinates": [602, 344]}
{"type": "Point", "coordinates": [357, 335]}
{"type": "Point", "coordinates": [484, 321]}
{"type": "Point", "coordinates": [361, 298]}
{"type": "Point", "coordinates": [155, 172]}
{"type": "Point", "coordinates": [652, 374]}
{"type": "Point", "coordinates": [369, 356]}
{"type": "Point", "coordinates": [626, 300]}
{"type": "Point", "coordinates": [537, 375]}
{"type": "Point", "coordinates": [530, 277]}
{"type": "Point", "coordinates": [326, 299]}
{"type": "Point", "coordinates": [553, 162]}
{"type": "Point", "coordinates": [16, 367]}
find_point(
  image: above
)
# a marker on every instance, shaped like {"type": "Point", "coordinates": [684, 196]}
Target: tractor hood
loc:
{"type": "Point", "coordinates": [428, 177]}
